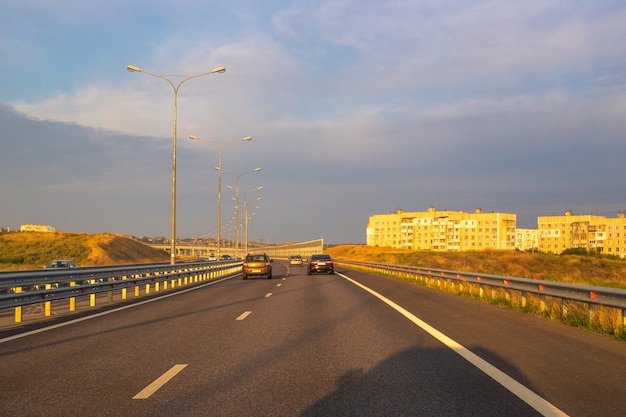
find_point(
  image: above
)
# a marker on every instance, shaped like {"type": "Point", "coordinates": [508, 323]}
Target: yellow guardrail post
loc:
{"type": "Point", "coordinates": [47, 304]}
{"type": "Point", "coordinates": [18, 309]}
{"type": "Point", "coordinates": [72, 299]}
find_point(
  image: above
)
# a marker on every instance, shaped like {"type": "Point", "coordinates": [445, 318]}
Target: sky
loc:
{"type": "Point", "coordinates": [355, 107]}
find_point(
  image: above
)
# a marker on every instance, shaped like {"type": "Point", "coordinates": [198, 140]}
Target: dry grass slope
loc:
{"type": "Point", "coordinates": [587, 270]}
{"type": "Point", "coordinates": [32, 250]}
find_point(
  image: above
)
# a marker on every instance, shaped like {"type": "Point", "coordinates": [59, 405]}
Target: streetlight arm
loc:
{"type": "Point", "coordinates": [218, 70]}
{"type": "Point", "coordinates": [133, 68]}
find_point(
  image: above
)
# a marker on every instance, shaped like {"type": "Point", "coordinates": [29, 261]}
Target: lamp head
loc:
{"type": "Point", "coordinates": [132, 68]}
{"type": "Point", "coordinates": [219, 70]}
{"type": "Point", "coordinates": [247, 138]}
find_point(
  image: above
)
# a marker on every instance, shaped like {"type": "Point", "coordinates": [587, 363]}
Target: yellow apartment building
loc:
{"type": "Point", "coordinates": [442, 230]}
{"type": "Point", "coordinates": [584, 231]}
{"type": "Point", "coordinates": [526, 239]}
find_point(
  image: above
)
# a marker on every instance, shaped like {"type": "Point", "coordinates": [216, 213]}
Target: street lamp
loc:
{"type": "Point", "coordinates": [245, 224]}
{"type": "Point", "coordinates": [237, 204]}
{"type": "Point", "coordinates": [133, 68]}
{"type": "Point", "coordinates": [245, 213]}
{"type": "Point", "coordinates": [220, 147]}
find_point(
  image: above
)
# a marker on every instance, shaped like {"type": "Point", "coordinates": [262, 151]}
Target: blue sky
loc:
{"type": "Point", "coordinates": [355, 107]}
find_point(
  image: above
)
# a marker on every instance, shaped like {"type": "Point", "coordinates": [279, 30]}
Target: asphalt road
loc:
{"type": "Point", "coordinates": [321, 345]}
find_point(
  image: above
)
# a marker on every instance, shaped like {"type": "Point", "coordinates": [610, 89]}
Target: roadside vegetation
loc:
{"type": "Point", "coordinates": [582, 269]}
{"type": "Point", "coordinates": [33, 250]}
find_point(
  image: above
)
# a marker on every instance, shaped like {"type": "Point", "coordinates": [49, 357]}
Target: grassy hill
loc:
{"type": "Point", "coordinates": [574, 269]}
{"type": "Point", "coordinates": [32, 250]}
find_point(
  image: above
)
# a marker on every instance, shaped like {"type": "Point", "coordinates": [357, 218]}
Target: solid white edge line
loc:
{"type": "Point", "coordinates": [529, 397]}
{"type": "Point", "coordinates": [159, 382]}
{"type": "Point", "coordinates": [104, 313]}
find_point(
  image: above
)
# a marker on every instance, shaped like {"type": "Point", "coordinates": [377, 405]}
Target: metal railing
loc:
{"type": "Point", "coordinates": [555, 298]}
{"type": "Point", "coordinates": [23, 288]}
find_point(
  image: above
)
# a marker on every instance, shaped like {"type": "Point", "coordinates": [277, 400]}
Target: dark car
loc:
{"type": "Point", "coordinates": [61, 264]}
{"type": "Point", "coordinates": [320, 264]}
{"type": "Point", "coordinates": [226, 257]}
{"type": "Point", "coordinates": [256, 265]}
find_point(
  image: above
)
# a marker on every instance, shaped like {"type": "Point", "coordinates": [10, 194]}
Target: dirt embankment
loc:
{"type": "Point", "coordinates": [32, 250]}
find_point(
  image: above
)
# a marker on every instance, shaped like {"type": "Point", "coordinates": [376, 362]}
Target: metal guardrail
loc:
{"type": "Point", "coordinates": [23, 288]}
{"type": "Point", "coordinates": [548, 293]}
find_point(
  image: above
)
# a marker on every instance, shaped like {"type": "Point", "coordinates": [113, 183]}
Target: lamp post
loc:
{"type": "Point", "coordinates": [245, 228]}
{"type": "Point", "coordinates": [220, 147]}
{"type": "Point", "coordinates": [237, 204]}
{"type": "Point", "coordinates": [176, 87]}
{"type": "Point", "coordinates": [245, 213]}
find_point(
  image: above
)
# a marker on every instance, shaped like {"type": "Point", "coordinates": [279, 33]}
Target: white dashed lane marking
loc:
{"type": "Point", "coordinates": [159, 382]}
{"type": "Point", "coordinates": [244, 315]}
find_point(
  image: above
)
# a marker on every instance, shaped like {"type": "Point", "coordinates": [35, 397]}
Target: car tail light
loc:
{"type": "Point", "coordinates": [329, 262]}
{"type": "Point", "coordinates": [267, 264]}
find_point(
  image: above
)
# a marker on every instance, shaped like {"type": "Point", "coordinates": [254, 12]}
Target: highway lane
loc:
{"type": "Point", "coordinates": [303, 345]}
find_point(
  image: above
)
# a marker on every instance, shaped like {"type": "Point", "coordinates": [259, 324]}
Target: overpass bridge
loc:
{"type": "Point", "coordinates": [305, 249]}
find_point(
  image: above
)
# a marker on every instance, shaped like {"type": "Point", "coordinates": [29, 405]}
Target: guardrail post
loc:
{"type": "Point", "coordinates": [147, 288]}
{"type": "Point", "coordinates": [92, 300]}
{"type": "Point", "coordinates": [18, 309]}
{"type": "Point", "coordinates": [123, 293]}
{"type": "Point", "coordinates": [47, 310]}
{"type": "Point", "coordinates": [72, 299]}
{"type": "Point", "coordinates": [136, 290]}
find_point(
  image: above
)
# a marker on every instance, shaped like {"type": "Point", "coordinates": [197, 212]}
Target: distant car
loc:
{"type": "Point", "coordinates": [212, 257]}
{"type": "Point", "coordinates": [256, 265]}
{"type": "Point", "coordinates": [295, 260]}
{"type": "Point", "coordinates": [226, 257]}
{"type": "Point", "coordinates": [320, 263]}
{"type": "Point", "coordinates": [61, 264]}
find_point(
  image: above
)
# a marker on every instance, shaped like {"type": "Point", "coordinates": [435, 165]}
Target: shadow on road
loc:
{"type": "Point", "coordinates": [416, 382]}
